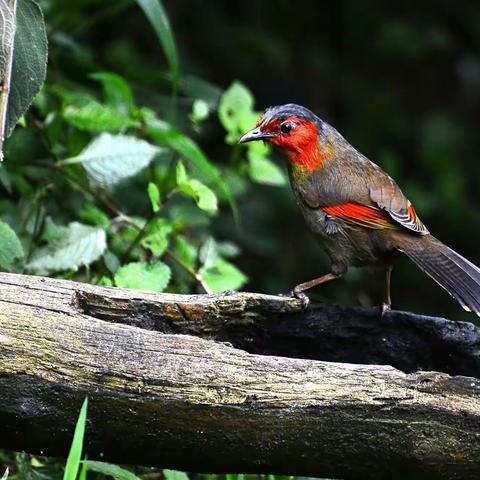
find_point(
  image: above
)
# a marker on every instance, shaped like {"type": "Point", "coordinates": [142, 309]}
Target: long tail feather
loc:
{"type": "Point", "coordinates": [459, 277]}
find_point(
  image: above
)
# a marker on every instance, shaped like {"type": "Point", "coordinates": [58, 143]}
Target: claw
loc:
{"type": "Point", "coordinates": [384, 308]}
{"type": "Point", "coordinates": [301, 296]}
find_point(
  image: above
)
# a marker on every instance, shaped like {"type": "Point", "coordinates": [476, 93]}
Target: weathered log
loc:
{"type": "Point", "coordinates": [268, 324]}
{"type": "Point", "coordinates": [184, 402]}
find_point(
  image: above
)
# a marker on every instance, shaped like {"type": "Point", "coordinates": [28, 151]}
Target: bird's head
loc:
{"type": "Point", "coordinates": [294, 130]}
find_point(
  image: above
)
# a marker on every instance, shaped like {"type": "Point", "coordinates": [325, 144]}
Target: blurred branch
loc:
{"type": "Point", "coordinates": [183, 402]}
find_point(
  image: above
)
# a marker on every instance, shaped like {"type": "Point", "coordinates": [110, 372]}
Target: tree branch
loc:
{"type": "Point", "coordinates": [183, 402]}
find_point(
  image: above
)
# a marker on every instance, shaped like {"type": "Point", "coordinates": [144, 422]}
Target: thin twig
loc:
{"type": "Point", "coordinates": [189, 270]}
{"type": "Point", "coordinates": [138, 238]}
{"type": "Point", "coordinates": [5, 88]}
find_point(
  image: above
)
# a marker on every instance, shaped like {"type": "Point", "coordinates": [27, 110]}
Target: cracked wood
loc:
{"type": "Point", "coordinates": [184, 402]}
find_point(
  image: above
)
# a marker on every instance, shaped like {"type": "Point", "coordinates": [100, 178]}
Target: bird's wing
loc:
{"type": "Point", "coordinates": [387, 196]}
{"type": "Point", "coordinates": [372, 200]}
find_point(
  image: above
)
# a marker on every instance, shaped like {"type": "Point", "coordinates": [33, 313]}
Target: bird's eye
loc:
{"type": "Point", "coordinates": [287, 127]}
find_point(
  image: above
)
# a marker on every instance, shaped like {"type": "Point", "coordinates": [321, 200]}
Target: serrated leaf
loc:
{"type": "Point", "coordinates": [7, 27]}
{"type": "Point", "coordinates": [110, 470]}
{"type": "Point", "coordinates": [156, 239]}
{"type": "Point", "coordinates": [223, 275]}
{"type": "Point", "coordinates": [117, 91]}
{"type": "Point", "coordinates": [263, 170]}
{"type": "Point", "coordinates": [80, 245]}
{"type": "Point", "coordinates": [154, 196]}
{"type": "Point", "coordinates": [143, 276]}
{"type": "Point", "coordinates": [29, 61]}
{"type": "Point", "coordinates": [109, 159]}
{"type": "Point", "coordinates": [10, 246]}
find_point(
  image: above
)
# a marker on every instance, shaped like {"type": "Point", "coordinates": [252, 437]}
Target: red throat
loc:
{"type": "Point", "coordinates": [302, 146]}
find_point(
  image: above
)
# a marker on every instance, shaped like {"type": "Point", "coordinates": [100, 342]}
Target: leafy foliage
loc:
{"type": "Point", "coordinates": [126, 170]}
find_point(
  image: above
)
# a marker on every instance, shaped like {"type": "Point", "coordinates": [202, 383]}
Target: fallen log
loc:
{"type": "Point", "coordinates": [179, 401]}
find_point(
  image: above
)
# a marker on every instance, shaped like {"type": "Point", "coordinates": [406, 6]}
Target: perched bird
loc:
{"type": "Point", "coordinates": [358, 213]}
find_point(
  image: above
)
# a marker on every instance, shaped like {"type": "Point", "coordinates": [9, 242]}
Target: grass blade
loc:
{"type": "Point", "coordinates": [158, 18]}
{"type": "Point", "coordinates": [110, 470]}
{"type": "Point", "coordinates": [73, 460]}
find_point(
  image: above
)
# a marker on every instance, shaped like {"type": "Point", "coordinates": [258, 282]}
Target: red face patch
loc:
{"type": "Point", "coordinates": [298, 139]}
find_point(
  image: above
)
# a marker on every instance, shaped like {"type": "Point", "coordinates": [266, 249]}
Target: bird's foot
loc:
{"type": "Point", "coordinates": [384, 308]}
{"type": "Point", "coordinates": [300, 295]}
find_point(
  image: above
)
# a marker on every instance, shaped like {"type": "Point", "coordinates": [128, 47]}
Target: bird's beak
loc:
{"type": "Point", "coordinates": [255, 134]}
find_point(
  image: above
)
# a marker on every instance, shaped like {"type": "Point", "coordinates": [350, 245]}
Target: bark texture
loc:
{"type": "Point", "coordinates": [160, 397]}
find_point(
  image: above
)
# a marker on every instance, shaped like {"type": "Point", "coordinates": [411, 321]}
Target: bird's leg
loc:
{"type": "Point", "coordinates": [387, 300]}
{"type": "Point", "coordinates": [302, 287]}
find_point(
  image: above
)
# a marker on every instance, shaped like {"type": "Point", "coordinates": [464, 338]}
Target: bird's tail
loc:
{"type": "Point", "coordinates": [459, 277]}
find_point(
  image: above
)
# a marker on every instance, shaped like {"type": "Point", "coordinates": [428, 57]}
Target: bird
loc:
{"type": "Point", "coordinates": [358, 213]}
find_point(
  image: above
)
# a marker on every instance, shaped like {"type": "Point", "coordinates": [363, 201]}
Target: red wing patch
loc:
{"type": "Point", "coordinates": [356, 214]}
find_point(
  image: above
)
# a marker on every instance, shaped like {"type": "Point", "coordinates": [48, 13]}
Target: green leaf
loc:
{"type": "Point", "coordinates": [209, 252]}
{"type": "Point", "coordinates": [174, 475]}
{"type": "Point", "coordinates": [235, 112]}
{"type": "Point", "coordinates": [5, 179]}
{"type": "Point", "coordinates": [203, 196]}
{"type": "Point", "coordinates": [109, 159]}
{"type": "Point", "coordinates": [235, 476]}
{"type": "Point", "coordinates": [78, 245]}
{"type": "Point", "coordinates": [83, 471]}
{"type": "Point", "coordinates": [200, 110]}
{"type": "Point", "coordinates": [91, 214]}
{"type": "Point", "coordinates": [117, 91]}
{"type": "Point", "coordinates": [158, 18]}
{"type": "Point", "coordinates": [181, 174]}
{"type": "Point", "coordinates": [263, 170]}
{"type": "Point", "coordinates": [90, 115]}
{"type": "Point", "coordinates": [5, 474]}
{"type": "Point", "coordinates": [157, 239]}
{"type": "Point", "coordinates": [110, 470]}
{"type": "Point", "coordinates": [228, 249]}
{"type": "Point", "coordinates": [7, 24]}
{"type": "Point", "coordinates": [143, 276]}
{"type": "Point", "coordinates": [223, 275]}
{"type": "Point", "coordinates": [185, 250]}
{"type": "Point", "coordinates": [73, 460]}
{"type": "Point", "coordinates": [154, 195]}
{"type": "Point", "coordinates": [10, 246]}
{"type": "Point", "coordinates": [112, 262]}
{"type": "Point", "coordinates": [29, 61]}
{"type": "Point", "coordinates": [163, 133]}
